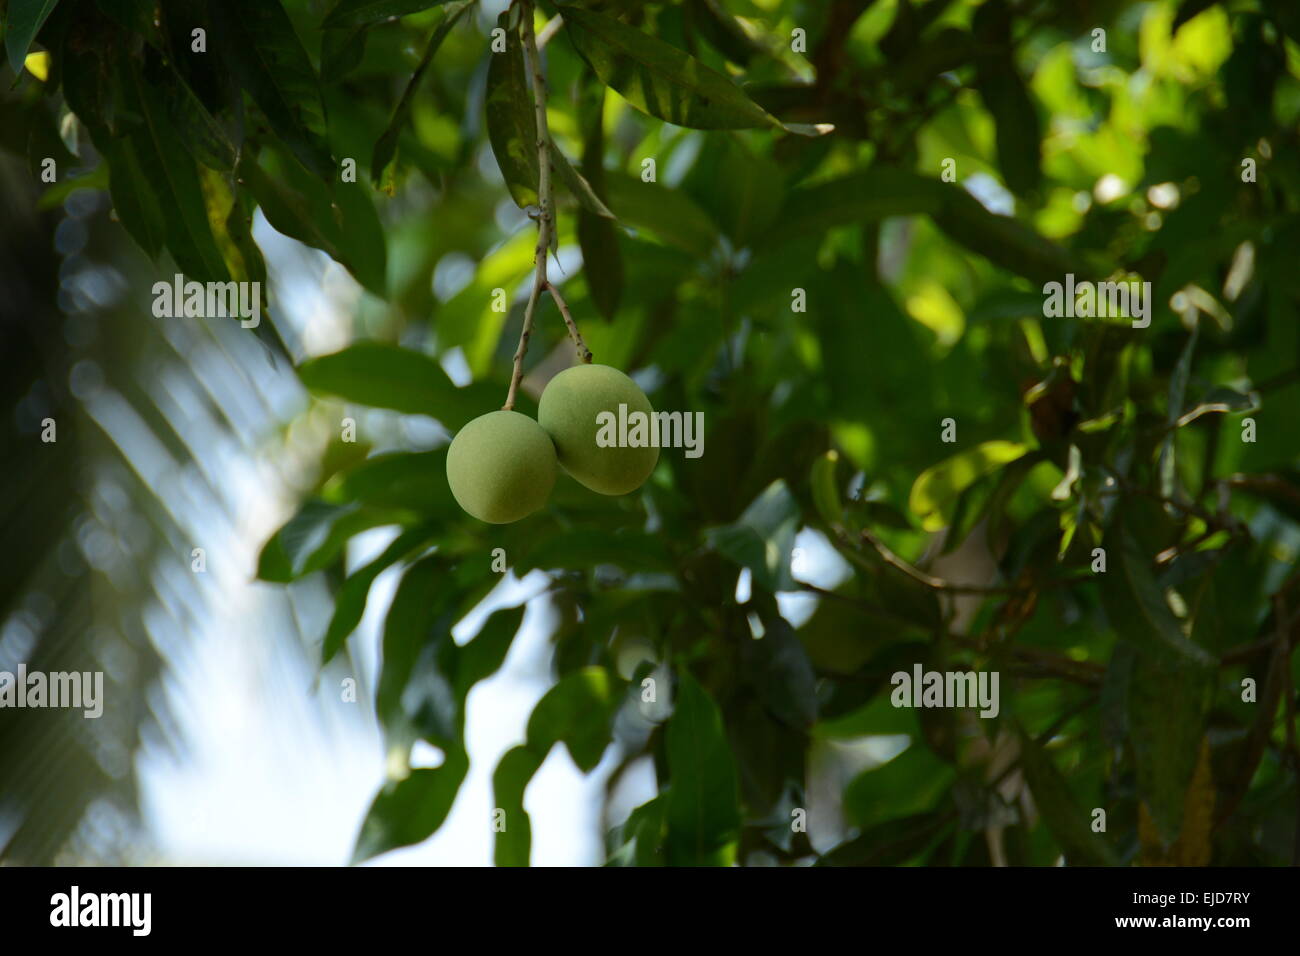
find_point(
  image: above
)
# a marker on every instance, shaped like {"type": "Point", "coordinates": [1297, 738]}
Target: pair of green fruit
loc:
{"type": "Point", "coordinates": [502, 466]}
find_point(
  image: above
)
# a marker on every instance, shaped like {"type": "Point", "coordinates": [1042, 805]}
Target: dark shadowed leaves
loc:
{"type": "Point", "coordinates": [762, 540]}
{"type": "Point", "coordinates": [702, 814]}
{"type": "Point", "coordinates": [658, 78]}
{"type": "Point", "coordinates": [269, 62]}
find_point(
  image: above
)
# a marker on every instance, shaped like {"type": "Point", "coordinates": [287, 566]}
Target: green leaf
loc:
{"type": "Point", "coordinates": [512, 131]}
{"type": "Point", "coordinates": [777, 667]}
{"type": "Point", "coordinates": [1177, 393]}
{"type": "Point", "coordinates": [202, 135]}
{"type": "Point", "coordinates": [915, 781]}
{"type": "Point", "coordinates": [313, 538]}
{"type": "Point", "coordinates": [575, 712]}
{"type": "Point", "coordinates": [354, 13]}
{"type": "Point", "coordinates": [416, 696]}
{"type": "Point", "coordinates": [159, 188]}
{"type": "Point", "coordinates": [935, 491]}
{"type": "Point", "coordinates": [1135, 603]}
{"type": "Point", "coordinates": [387, 376]}
{"type": "Point", "coordinates": [410, 810]}
{"type": "Point", "coordinates": [513, 844]}
{"type": "Point", "coordinates": [602, 261]}
{"type": "Point", "coordinates": [1167, 698]}
{"type": "Point", "coordinates": [1004, 241]}
{"type": "Point", "coordinates": [414, 481]}
{"type": "Point", "coordinates": [24, 21]}
{"type": "Point", "coordinates": [661, 80]}
{"type": "Point", "coordinates": [386, 145]}
{"type": "Point", "coordinates": [825, 489]}
{"type": "Point", "coordinates": [350, 604]}
{"type": "Point", "coordinates": [762, 539]}
{"type": "Point", "coordinates": [1006, 97]}
{"type": "Point", "coordinates": [639, 840]}
{"type": "Point", "coordinates": [870, 196]}
{"type": "Point", "coordinates": [1068, 823]}
{"type": "Point", "coordinates": [339, 219]}
{"type": "Point", "coordinates": [668, 213]}
{"type": "Point", "coordinates": [891, 843]}
{"type": "Point", "coordinates": [511, 123]}
{"type": "Point", "coordinates": [268, 60]}
{"type": "Point", "coordinates": [702, 814]}
{"type": "Point", "coordinates": [134, 201]}
{"type": "Point", "coordinates": [584, 549]}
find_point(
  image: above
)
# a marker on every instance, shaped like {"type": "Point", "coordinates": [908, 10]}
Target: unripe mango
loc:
{"type": "Point", "coordinates": [501, 467]}
{"type": "Point", "coordinates": [569, 411]}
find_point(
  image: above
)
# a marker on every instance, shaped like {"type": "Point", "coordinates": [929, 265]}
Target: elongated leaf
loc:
{"type": "Point", "coordinates": [702, 814]}
{"type": "Point", "coordinates": [936, 490]}
{"type": "Point", "coordinates": [350, 604]}
{"type": "Point", "coordinates": [1136, 605]}
{"type": "Point", "coordinates": [1167, 698]}
{"type": "Point", "coordinates": [1019, 133]}
{"type": "Point", "coordinates": [24, 21]}
{"type": "Point", "coordinates": [410, 810]}
{"type": "Point", "coordinates": [514, 839]}
{"type": "Point", "coordinates": [602, 262]}
{"type": "Point", "coordinates": [512, 131]}
{"type": "Point", "coordinates": [134, 201]}
{"type": "Point", "coordinates": [511, 124]}
{"type": "Point", "coordinates": [660, 79]}
{"type": "Point", "coordinates": [762, 539]}
{"type": "Point", "coordinates": [1004, 241]}
{"type": "Point", "coordinates": [386, 376]}
{"type": "Point", "coordinates": [313, 538]}
{"type": "Point", "coordinates": [861, 197]}
{"type": "Point", "coordinates": [386, 145]}
{"type": "Point", "coordinates": [202, 135]}
{"type": "Point", "coordinates": [269, 61]}
{"type": "Point", "coordinates": [160, 165]}
{"type": "Point", "coordinates": [639, 841]}
{"type": "Point", "coordinates": [575, 712]}
{"type": "Point", "coordinates": [669, 214]}
{"type": "Point", "coordinates": [353, 13]}
{"type": "Point", "coordinates": [1068, 822]}
{"type": "Point", "coordinates": [338, 219]}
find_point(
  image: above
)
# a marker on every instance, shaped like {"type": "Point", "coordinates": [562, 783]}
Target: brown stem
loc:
{"type": "Point", "coordinates": [584, 353]}
{"type": "Point", "coordinates": [545, 210]}
{"type": "Point", "coordinates": [544, 224]}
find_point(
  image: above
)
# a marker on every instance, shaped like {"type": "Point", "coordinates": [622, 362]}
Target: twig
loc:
{"type": "Point", "coordinates": [584, 353]}
{"type": "Point", "coordinates": [930, 581]}
{"type": "Point", "coordinates": [545, 213]}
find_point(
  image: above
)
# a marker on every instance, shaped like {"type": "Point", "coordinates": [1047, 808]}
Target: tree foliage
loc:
{"type": "Point", "coordinates": [1113, 527]}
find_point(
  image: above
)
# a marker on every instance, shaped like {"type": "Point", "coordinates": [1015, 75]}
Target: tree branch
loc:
{"type": "Point", "coordinates": [545, 209]}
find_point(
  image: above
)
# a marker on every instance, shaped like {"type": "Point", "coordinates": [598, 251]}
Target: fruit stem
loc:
{"type": "Point", "coordinates": [584, 353]}
{"type": "Point", "coordinates": [545, 215]}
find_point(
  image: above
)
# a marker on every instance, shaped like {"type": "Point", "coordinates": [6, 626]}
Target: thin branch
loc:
{"type": "Point", "coordinates": [545, 207]}
{"type": "Point", "coordinates": [584, 353]}
{"type": "Point", "coordinates": [929, 580]}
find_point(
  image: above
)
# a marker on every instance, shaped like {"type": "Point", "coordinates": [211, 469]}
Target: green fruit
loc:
{"type": "Point", "coordinates": [569, 411]}
{"type": "Point", "coordinates": [501, 467]}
